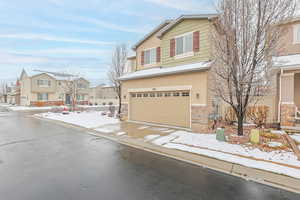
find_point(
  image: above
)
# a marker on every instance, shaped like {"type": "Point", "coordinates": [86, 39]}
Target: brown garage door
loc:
{"type": "Point", "coordinates": [168, 108]}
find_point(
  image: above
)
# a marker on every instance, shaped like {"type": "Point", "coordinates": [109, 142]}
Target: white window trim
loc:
{"type": "Point", "coordinates": [186, 54]}
{"type": "Point", "coordinates": [155, 62]}
{"type": "Point", "coordinates": [42, 99]}
{"type": "Point", "coordinates": [296, 28]}
{"type": "Point", "coordinates": [44, 86]}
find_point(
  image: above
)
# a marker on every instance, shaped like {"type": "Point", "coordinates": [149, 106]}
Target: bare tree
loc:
{"type": "Point", "coordinates": [70, 86]}
{"type": "Point", "coordinates": [245, 36]}
{"type": "Point", "coordinates": [117, 69]}
{"type": "Point", "coordinates": [3, 91]}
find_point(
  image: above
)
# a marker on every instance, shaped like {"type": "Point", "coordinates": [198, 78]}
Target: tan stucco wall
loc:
{"type": "Point", "coordinates": [36, 88]}
{"type": "Point", "coordinates": [202, 25]}
{"type": "Point", "coordinates": [286, 45]}
{"type": "Point", "coordinates": [25, 90]}
{"type": "Point", "coordinates": [297, 90]}
{"type": "Point", "coordinates": [198, 81]}
{"type": "Point", "coordinates": [151, 42]}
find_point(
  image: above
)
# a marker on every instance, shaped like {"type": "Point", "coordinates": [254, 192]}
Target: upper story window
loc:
{"type": "Point", "coordinates": [150, 56]}
{"type": "Point", "coordinates": [184, 44]}
{"type": "Point", "coordinates": [43, 83]}
{"type": "Point", "coordinates": [297, 34]}
{"type": "Point", "coordinates": [82, 86]}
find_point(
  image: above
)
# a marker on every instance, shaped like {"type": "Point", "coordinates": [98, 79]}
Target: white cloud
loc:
{"type": "Point", "coordinates": [106, 24]}
{"type": "Point", "coordinates": [8, 58]}
{"type": "Point", "coordinates": [53, 38]}
{"type": "Point", "coordinates": [67, 51]}
{"type": "Point", "coordinates": [185, 5]}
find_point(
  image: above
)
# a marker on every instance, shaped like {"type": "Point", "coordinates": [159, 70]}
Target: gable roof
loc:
{"type": "Point", "coordinates": [156, 29]}
{"type": "Point", "coordinates": [181, 18]}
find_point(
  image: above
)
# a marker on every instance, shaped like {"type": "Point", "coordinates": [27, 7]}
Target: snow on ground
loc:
{"type": "Point", "coordinates": [28, 108]}
{"type": "Point", "coordinates": [206, 144]}
{"type": "Point", "coordinates": [121, 133]}
{"type": "Point", "coordinates": [109, 129]}
{"type": "Point", "coordinates": [296, 137]}
{"type": "Point", "coordinates": [151, 137]}
{"type": "Point", "coordinates": [239, 160]}
{"type": "Point", "coordinates": [85, 119]}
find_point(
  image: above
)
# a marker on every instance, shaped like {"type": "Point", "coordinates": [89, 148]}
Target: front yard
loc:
{"type": "Point", "coordinates": [281, 161]}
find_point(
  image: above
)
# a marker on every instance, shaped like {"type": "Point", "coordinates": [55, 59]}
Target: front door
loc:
{"type": "Point", "coordinates": [68, 99]}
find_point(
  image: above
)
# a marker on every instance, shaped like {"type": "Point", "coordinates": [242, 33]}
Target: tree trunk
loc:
{"type": "Point", "coordinates": [240, 125]}
{"type": "Point", "coordinates": [120, 104]}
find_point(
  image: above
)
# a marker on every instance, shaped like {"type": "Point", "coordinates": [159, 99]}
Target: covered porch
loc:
{"type": "Point", "coordinates": [289, 101]}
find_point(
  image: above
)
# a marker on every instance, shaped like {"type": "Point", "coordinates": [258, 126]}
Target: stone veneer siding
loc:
{"type": "Point", "coordinates": [200, 121]}
{"type": "Point", "coordinates": [287, 114]}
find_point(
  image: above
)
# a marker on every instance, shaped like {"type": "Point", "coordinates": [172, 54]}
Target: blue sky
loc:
{"type": "Point", "coordinates": [78, 35]}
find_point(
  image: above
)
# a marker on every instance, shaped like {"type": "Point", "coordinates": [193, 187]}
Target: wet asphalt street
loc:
{"type": "Point", "coordinates": [44, 161]}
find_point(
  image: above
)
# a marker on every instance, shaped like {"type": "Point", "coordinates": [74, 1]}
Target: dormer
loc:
{"type": "Point", "coordinates": [148, 49]}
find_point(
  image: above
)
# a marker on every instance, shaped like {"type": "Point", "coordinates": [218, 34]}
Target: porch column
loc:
{"type": "Point", "coordinates": [287, 104]}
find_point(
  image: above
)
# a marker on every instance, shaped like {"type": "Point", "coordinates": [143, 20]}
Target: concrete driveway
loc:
{"type": "Point", "coordinates": [43, 160]}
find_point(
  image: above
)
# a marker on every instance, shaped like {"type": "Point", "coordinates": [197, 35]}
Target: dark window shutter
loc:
{"type": "Point", "coordinates": [158, 54]}
{"type": "Point", "coordinates": [172, 47]}
{"type": "Point", "coordinates": [142, 57]}
{"type": "Point", "coordinates": [196, 41]}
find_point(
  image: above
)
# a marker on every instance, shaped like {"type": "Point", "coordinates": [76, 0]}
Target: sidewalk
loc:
{"type": "Point", "coordinates": [280, 171]}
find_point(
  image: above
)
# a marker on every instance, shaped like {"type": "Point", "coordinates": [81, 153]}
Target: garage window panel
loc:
{"type": "Point", "coordinates": [176, 94]}
{"type": "Point", "coordinates": [139, 95]}
{"type": "Point", "coordinates": [152, 94]}
{"type": "Point", "coordinates": [185, 94]}
{"type": "Point", "coordinates": [159, 94]}
{"type": "Point", "coordinates": [167, 94]}
{"type": "Point", "coordinates": [145, 95]}
{"type": "Point", "coordinates": [133, 95]}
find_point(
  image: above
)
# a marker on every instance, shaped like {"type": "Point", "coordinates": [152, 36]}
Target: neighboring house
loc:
{"type": "Point", "coordinates": [13, 93]}
{"type": "Point", "coordinates": [50, 88]}
{"type": "Point", "coordinates": [103, 95]}
{"type": "Point", "coordinates": [288, 64]}
{"type": "Point", "coordinates": [171, 79]}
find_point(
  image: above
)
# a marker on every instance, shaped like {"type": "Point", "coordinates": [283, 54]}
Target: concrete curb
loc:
{"type": "Point", "coordinates": [252, 174]}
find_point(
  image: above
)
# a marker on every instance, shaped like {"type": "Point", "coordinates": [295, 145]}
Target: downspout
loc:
{"type": "Point", "coordinates": [279, 102]}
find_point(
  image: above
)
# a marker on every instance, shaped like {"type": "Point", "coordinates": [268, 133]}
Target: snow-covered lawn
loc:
{"type": "Point", "coordinates": [85, 119]}
{"type": "Point", "coordinates": [28, 108]}
{"type": "Point", "coordinates": [206, 144]}
{"type": "Point", "coordinates": [296, 137]}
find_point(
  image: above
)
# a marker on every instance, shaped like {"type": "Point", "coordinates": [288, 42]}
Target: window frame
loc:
{"type": "Point", "coordinates": [185, 53]}
{"type": "Point", "coordinates": [297, 34]}
{"type": "Point", "coordinates": [42, 99]}
{"type": "Point", "coordinates": [43, 81]}
{"type": "Point", "coordinates": [154, 59]}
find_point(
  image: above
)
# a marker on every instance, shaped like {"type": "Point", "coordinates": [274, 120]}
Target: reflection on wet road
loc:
{"type": "Point", "coordinates": [42, 160]}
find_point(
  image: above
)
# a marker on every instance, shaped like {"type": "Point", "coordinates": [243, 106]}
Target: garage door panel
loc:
{"type": "Point", "coordinates": [171, 110]}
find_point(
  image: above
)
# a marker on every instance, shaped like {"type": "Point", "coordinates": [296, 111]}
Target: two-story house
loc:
{"type": "Point", "coordinates": [170, 83]}
{"type": "Point", "coordinates": [103, 95]}
{"type": "Point", "coordinates": [50, 88]}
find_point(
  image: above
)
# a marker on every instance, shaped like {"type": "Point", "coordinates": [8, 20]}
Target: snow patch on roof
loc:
{"type": "Point", "coordinates": [285, 61]}
{"type": "Point", "coordinates": [161, 71]}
